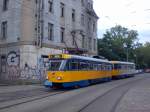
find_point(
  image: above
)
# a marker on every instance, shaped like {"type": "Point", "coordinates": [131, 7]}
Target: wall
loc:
{"type": "Point", "coordinates": [12, 16]}
{"type": "Point", "coordinates": [24, 63]}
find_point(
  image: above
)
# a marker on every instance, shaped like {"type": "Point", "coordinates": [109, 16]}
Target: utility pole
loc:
{"type": "Point", "coordinates": [127, 54]}
{"type": "Point", "coordinates": [127, 51]}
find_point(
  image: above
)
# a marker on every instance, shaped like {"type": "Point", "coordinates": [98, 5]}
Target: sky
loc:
{"type": "Point", "coordinates": [132, 14]}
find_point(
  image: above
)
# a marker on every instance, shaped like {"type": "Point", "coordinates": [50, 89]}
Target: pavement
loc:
{"type": "Point", "coordinates": [14, 88]}
{"type": "Point", "coordinates": [127, 95]}
{"type": "Point", "coordinates": [137, 99]}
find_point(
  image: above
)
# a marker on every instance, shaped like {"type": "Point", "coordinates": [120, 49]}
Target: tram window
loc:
{"type": "Point", "coordinates": [84, 66]}
{"type": "Point", "coordinates": [119, 67]}
{"type": "Point", "coordinates": [55, 65]}
{"type": "Point", "coordinates": [132, 67]}
{"type": "Point", "coordinates": [103, 67]}
{"type": "Point", "coordinates": [109, 67]}
{"type": "Point", "coordinates": [106, 67]}
{"type": "Point", "coordinates": [115, 66]}
{"type": "Point", "coordinates": [67, 67]}
{"type": "Point", "coordinates": [91, 67]}
{"type": "Point", "coordinates": [95, 67]}
{"type": "Point", "coordinates": [74, 66]}
{"type": "Point", "coordinates": [99, 67]}
{"type": "Point", "coordinates": [128, 67]}
{"type": "Point", "coordinates": [125, 67]}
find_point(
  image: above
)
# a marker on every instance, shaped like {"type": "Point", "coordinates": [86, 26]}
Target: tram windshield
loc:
{"type": "Point", "coordinates": [55, 65]}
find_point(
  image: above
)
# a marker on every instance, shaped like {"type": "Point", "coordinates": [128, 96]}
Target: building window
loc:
{"type": "Point", "coordinates": [5, 5]}
{"type": "Point", "coordinates": [83, 42]}
{"type": "Point", "coordinates": [62, 7]}
{"type": "Point", "coordinates": [4, 30]}
{"type": "Point", "coordinates": [82, 2]}
{"type": "Point", "coordinates": [89, 6]}
{"type": "Point", "coordinates": [50, 31]}
{"type": "Point", "coordinates": [89, 23]}
{"type": "Point", "coordinates": [94, 28]}
{"type": "Point", "coordinates": [82, 20]}
{"type": "Point", "coordinates": [73, 40]}
{"type": "Point", "coordinates": [3, 64]}
{"type": "Point", "coordinates": [50, 5]}
{"type": "Point", "coordinates": [62, 34]}
{"type": "Point", "coordinates": [95, 45]}
{"type": "Point", "coordinates": [73, 15]}
{"type": "Point", "coordinates": [90, 43]}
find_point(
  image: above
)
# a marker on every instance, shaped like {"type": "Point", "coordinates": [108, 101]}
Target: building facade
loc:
{"type": "Point", "coordinates": [32, 29]}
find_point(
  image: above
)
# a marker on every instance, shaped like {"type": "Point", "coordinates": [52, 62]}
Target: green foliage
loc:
{"type": "Point", "coordinates": [119, 41]}
{"type": "Point", "coordinates": [116, 42]}
{"type": "Point", "coordinates": [143, 55]}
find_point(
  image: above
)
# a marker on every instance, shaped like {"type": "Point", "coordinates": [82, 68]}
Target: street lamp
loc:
{"type": "Point", "coordinates": [127, 51]}
{"type": "Point", "coordinates": [136, 60]}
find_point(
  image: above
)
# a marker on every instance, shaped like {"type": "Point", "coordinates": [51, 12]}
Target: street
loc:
{"type": "Point", "coordinates": [126, 95]}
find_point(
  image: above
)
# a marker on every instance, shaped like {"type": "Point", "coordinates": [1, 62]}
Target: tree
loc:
{"type": "Point", "coordinates": [117, 42]}
{"type": "Point", "coordinates": [143, 55]}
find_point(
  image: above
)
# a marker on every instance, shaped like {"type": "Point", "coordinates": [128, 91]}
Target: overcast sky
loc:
{"type": "Point", "coordinates": [133, 14]}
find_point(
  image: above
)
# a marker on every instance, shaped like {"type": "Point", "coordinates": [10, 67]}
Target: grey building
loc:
{"type": "Point", "coordinates": [30, 30]}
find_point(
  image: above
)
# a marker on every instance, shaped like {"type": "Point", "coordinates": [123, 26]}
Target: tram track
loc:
{"type": "Point", "coordinates": [29, 99]}
{"type": "Point", "coordinates": [118, 85]}
{"type": "Point", "coordinates": [4, 97]}
{"type": "Point", "coordinates": [111, 90]}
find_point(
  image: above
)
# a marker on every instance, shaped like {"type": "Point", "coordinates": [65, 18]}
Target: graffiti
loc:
{"type": "Point", "coordinates": [27, 73]}
{"type": "Point", "coordinates": [13, 71]}
{"type": "Point", "coordinates": [13, 59]}
{"type": "Point", "coordinates": [33, 73]}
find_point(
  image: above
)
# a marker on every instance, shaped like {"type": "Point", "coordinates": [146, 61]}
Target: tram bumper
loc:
{"type": "Point", "coordinates": [48, 83]}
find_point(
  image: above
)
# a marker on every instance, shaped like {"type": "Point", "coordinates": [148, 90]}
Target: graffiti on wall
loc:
{"type": "Point", "coordinates": [13, 59]}
{"type": "Point", "coordinates": [32, 73]}
{"type": "Point", "coordinates": [15, 72]}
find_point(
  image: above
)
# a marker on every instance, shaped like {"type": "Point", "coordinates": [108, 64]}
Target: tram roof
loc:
{"type": "Point", "coordinates": [68, 56]}
{"type": "Point", "coordinates": [121, 62]}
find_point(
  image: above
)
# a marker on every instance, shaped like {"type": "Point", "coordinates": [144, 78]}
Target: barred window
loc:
{"type": "Point", "coordinates": [62, 34]}
{"type": "Point", "coordinates": [5, 5]}
{"type": "Point", "coordinates": [62, 7]}
{"type": "Point", "coordinates": [73, 15]}
{"type": "Point", "coordinates": [50, 31]}
{"type": "Point", "coordinates": [4, 30]}
{"type": "Point", "coordinates": [50, 5]}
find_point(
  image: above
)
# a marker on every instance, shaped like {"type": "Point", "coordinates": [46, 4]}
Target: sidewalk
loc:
{"type": "Point", "coordinates": [20, 82]}
{"type": "Point", "coordinates": [137, 99]}
{"type": "Point", "coordinates": [3, 84]}
{"type": "Point", "coordinates": [8, 88]}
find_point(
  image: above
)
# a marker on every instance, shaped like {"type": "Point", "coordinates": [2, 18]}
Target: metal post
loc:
{"type": "Point", "coordinates": [127, 54]}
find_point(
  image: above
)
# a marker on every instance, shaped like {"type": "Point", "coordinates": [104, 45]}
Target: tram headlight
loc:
{"type": "Point", "coordinates": [46, 77]}
{"type": "Point", "coordinates": [59, 78]}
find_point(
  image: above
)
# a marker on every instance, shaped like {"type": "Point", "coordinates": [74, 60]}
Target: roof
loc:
{"type": "Point", "coordinates": [89, 58]}
{"type": "Point", "coordinates": [68, 56]}
{"type": "Point", "coordinates": [121, 62]}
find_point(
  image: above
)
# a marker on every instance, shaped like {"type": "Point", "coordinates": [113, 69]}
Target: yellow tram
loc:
{"type": "Point", "coordinates": [122, 69]}
{"type": "Point", "coordinates": [71, 70]}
